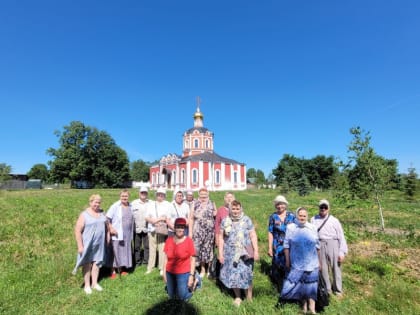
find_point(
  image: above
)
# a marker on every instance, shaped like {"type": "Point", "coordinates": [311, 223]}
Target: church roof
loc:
{"type": "Point", "coordinates": [209, 157]}
{"type": "Point", "coordinates": [200, 130]}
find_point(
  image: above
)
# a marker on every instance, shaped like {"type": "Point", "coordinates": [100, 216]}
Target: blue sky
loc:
{"type": "Point", "coordinates": [274, 77]}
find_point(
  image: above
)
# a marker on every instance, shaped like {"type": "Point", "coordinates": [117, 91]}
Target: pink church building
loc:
{"type": "Point", "coordinates": [199, 165]}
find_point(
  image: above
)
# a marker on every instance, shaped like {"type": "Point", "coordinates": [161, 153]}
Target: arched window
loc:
{"type": "Point", "coordinates": [196, 143]}
{"type": "Point", "coordinates": [207, 143]}
{"type": "Point", "coordinates": [183, 176]}
{"type": "Point", "coordinates": [173, 178]}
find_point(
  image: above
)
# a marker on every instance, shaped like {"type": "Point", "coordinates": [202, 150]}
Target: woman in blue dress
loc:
{"type": "Point", "coordinates": [277, 224]}
{"type": "Point", "coordinates": [238, 248]}
{"type": "Point", "coordinates": [301, 252]}
{"type": "Point", "coordinates": [91, 233]}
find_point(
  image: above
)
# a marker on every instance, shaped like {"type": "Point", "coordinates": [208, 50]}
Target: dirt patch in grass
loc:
{"type": "Point", "coordinates": [408, 257]}
{"type": "Point", "coordinates": [389, 231]}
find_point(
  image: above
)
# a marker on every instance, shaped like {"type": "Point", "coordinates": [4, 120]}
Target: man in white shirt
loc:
{"type": "Point", "coordinates": [333, 247]}
{"type": "Point", "coordinates": [141, 239]}
{"type": "Point", "coordinates": [158, 211]}
{"type": "Point", "coordinates": [179, 209]}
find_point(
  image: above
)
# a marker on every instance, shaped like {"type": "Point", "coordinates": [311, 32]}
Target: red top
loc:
{"type": "Point", "coordinates": [222, 213]}
{"type": "Point", "coordinates": [179, 255]}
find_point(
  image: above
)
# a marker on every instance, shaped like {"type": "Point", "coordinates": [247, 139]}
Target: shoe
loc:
{"type": "Point", "coordinates": [88, 290]}
{"type": "Point", "coordinates": [161, 272]}
{"type": "Point", "coordinates": [113, 276]}
{"type": "Point", "coordinates": [124, 273]}
{"type": "Point", "coordinates": [147, 272]}
{"type": "Point", "coordinates": [338, 295]}
{"type": "Point", "coordinates": [237, 302]}
{"type": "Point", "coordinates": [198, 282]}
{"type": "Point", "coordinates": [98, 288]}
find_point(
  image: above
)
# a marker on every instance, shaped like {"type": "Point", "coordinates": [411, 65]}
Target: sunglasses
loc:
{"type": "Point", "coordinates": [323, 207]}
{"type": "Point", "coordinates": [180, 226]}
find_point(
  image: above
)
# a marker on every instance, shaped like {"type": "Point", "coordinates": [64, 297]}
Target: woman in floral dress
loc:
{"type": "Point", "coordinates": [277, 224]}
{"type": "Point", "coordinates": [238, 248]}
{"type": "Point", "coordinates": [201, 220]}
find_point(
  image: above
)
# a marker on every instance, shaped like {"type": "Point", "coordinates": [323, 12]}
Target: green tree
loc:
{"type": "Point", "coordinates": [260, 178]}
{"type": "Point", "coordinates": [39, 171]}
{"type": "Point", "coordinates": [251, 173]}
{"type": "Point", "coordinates": [303, 186]}
{"type": "Point", "coordinates": [5, 171]}
{"type": "Point", "coordinates": [88, 154]}
{"type": "Point", "coordinates": [411, 183]}
{"type": "Point", "coordinates": [284, 186]}
{"type": "Point", "coordinates": [371, 174]}
{"type": "Point", "coordinates": [320, 171]}
{"type": "Point", "coordinates": [139, 171]}
{"type": "Point", "coordinates": [290, 170]}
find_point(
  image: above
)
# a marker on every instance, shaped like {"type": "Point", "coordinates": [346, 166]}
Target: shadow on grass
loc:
{"type": "Point", "coordinates": [173, 307]}
{"type": "Point", "coordinates": [223, 289]}
{"type": "Point", "coordinates": [275, 275]}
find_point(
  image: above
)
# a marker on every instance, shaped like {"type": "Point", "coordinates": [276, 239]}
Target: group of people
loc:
{"type": "Point", "coordinates": [104, 239]}
{"type": "Point", "coordinates": [186, 233]}
{"type": "Point", "coordinates": [301, 250]}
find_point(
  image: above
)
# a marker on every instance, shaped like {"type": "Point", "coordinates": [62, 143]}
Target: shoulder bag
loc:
{"type": "Point", "coordinates": [160, 227]}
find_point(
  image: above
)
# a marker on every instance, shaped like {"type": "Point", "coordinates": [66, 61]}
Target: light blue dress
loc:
{"type": "Point", "coordinates": [302, 280]}
{"type": "Point", "coordinates": [94, 241]}
{"type": "Point", "coordinates": [237, 270]}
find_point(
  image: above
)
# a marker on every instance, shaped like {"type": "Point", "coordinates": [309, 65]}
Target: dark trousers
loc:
{"type": "Point", "coordinates": [141, 248]}
{"type": "Point", "coordinates": [277, 275]}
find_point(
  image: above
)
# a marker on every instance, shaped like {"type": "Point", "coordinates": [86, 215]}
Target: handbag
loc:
{"type": "Point", "coordinates": [323, 297]}
{"type": "Point", "coordinates": [214, 268]}
{"type": "Point", "coordinates": [249, 251]}
{"type": "Point", "coordinates": [161, 228]}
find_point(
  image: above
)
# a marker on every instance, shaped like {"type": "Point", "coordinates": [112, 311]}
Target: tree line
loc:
{"type": "Point", "coordinates": [86, 154]}
{"type": "Point", "coordinates": [91, 155]}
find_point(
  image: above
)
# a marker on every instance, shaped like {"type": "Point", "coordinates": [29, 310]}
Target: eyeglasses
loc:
{"type": "Point", "coordinates": [323, 207]}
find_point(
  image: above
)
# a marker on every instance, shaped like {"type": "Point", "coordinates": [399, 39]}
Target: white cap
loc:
{"type": "Point", "coordinates": [280, 199]}
{"type": "Point", "coordinates": [161, 190]}
{"type": "Point", "coordinates": [143, 189]}
{"type": "Point", "coordinates": [324, 202]}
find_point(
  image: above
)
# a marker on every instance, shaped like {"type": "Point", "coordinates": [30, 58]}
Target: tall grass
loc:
{"type": "Point", "coordinates": [38, 253]}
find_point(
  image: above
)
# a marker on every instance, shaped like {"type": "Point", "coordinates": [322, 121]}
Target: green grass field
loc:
{"type": "Point", "coordinates": [38, 252]}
